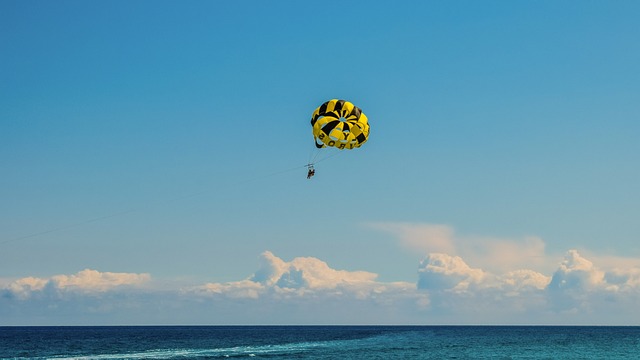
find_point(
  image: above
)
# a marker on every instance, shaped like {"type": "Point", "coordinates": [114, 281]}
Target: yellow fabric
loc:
{"type": "Point", "coordinates": [339, 124]}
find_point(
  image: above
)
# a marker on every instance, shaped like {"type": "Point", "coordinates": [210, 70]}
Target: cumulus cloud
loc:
{"type": "Point", "coordinates": [87, 281]}
{"type": "Point", "coordinates": [577, 292]}
{"type": "Point", "coordinates": [306, 272]}
{"type": "Point", "coordinates": [22, 288]}
{"type": "Point", "coordinates": [234, 290]}
{"type": "Point", "coordinates": [441, 271]}
{"type": "Point", "coordinates": [93, 280]}
{"type": "Point", "coordinates": [447, 289]}
{"type": "Point", "coordinates": [577, 288]}
{"type": "Point", "coordinates": [623, 279]}
{"type": "Point", "coordinates": [523, 280]}
{"type": "Point", "coordinates": [576, 273]}
{"type": "Point", "coordinates": [301, 277]}
{"type": "Point", "coordinates": [308, 290]}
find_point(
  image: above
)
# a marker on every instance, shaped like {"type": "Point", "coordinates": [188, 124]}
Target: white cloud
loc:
{"type": "Point", "coordinates": [446, 290]}
{"type": "Point", "coordinates": [578, 292]}
{"type": "Point", "coordinates": [576, 273]}
{"type": "Point", "coordinates": [22, 288]}
{"type": "Point", "coordinates": [445, 272]}
{"type": "Point", "coordinates": [441, 271]}
{"type": "Point", "coordinates": [300, 277]}
{"type": "Point", "coordinates": [519, 280]}
{"type": "Point", "coordinates": [88, 281]}
{"type": "Point", "coordinates": [306, 272]}
{"type": "Point", "coordinates": [623, 279]}
{"type": "Point", "coordinates": [234, 290]}
{"type": "Point", "coordinates": [93, 280]}
{"type": "Point", "coordinates": [271, 269]}
{"type": "Point", "coordinates": [308, 290]}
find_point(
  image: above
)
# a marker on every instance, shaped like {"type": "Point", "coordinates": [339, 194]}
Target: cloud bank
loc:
{"type": "Point", "coordinates": [86, 281]}
{"type": "Point", "coordinates": [307, 290]}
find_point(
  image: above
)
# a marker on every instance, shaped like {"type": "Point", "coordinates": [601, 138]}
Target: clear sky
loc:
{"type": "Point", "coordinates": [152, 162]}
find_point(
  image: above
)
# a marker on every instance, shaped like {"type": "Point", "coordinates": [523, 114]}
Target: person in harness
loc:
{"type": "Point", "coordinates": [311, 171]}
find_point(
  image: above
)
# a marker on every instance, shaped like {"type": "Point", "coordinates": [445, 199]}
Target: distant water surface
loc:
{"type": "Point", "coordinates": [320, 342]}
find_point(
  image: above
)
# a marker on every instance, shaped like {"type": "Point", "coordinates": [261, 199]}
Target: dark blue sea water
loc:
{"type": "Point", "coordinates": [320, 342]}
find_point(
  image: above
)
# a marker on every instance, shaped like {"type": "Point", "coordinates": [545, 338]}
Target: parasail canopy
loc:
{"type": "Point", "coordinates": [339, 124]}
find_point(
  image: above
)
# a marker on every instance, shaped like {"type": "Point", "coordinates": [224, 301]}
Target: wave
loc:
{"type": "Point", "coordinates": [230, 352]}
{"type": "Point", "coordinates": [330, 348]}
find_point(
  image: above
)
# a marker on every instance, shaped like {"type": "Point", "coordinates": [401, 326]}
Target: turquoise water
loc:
{"type": "Point", "coordinates": [320, 342]}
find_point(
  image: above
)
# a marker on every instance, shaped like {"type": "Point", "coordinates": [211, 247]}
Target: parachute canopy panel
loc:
{"type": "Point", "coordinates": [339, 124]}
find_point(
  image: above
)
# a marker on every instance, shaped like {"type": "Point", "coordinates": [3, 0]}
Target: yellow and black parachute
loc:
{"type": "Point", "coordinates": [339, 124]}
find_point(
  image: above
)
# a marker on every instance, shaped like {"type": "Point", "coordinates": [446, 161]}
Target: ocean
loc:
{"type": "Point", "coordinates": [320, 342]}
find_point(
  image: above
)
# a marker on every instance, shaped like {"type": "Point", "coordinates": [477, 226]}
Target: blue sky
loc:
{"type": "Point", "coordinates": [155, 151]}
